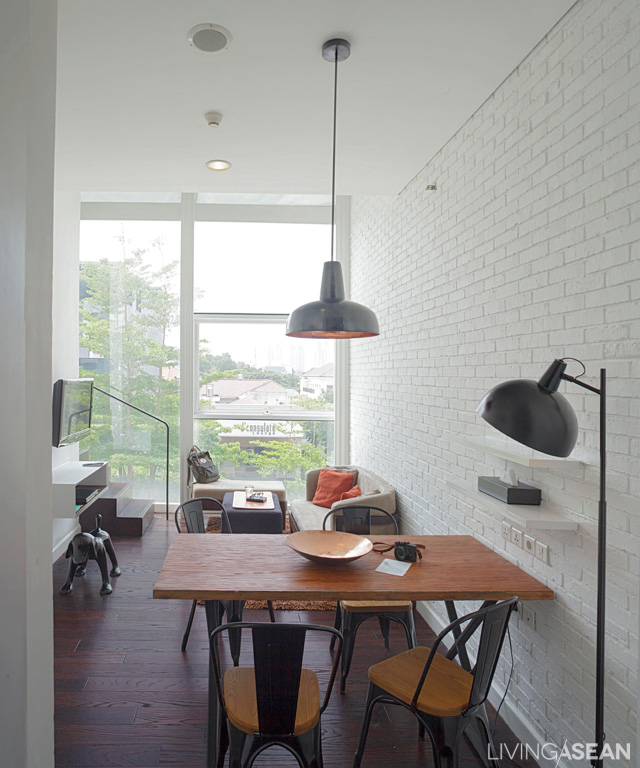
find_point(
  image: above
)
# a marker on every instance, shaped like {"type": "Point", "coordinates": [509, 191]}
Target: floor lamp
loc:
{"type": "Point", "coordinates": [538, 416]}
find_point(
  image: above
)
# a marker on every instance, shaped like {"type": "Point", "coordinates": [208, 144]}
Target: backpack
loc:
{"type": "Point", "coordinates": [202, 467]}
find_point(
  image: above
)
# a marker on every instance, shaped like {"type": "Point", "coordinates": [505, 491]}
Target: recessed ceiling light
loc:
{"type": "Point", "coordinates": [209, 38]}
{"type": "Point", "coordinates": [218, 165]}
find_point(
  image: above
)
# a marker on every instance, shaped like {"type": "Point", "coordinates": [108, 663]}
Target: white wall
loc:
{"type": "Point", "coordinates": [525, 253]}
{"type": "Point", "coordinates": [27, 93]}
{"type": "Point", "coordinates": [66, 267]}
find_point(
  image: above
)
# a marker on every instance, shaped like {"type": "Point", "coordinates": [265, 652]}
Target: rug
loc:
{"type": "Point", "coordinates": [213, 526]}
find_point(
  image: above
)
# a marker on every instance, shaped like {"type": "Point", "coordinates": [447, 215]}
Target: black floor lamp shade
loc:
{"type": "Point", "coordinates": [533, 415]}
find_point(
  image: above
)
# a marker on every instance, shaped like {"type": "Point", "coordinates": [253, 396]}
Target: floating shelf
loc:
{"type": "Point", "coordinates": [525, 515]}
{"type": "Point", "coordinates": [511, 451]}
{"type": "Point", "coordinates": [67, 476]}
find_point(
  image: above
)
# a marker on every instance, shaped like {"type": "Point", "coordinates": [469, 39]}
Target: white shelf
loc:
{"type": "Point", "coordinates": [525, 515]}
{"type": "Point", "coordinates": [511, 451]}
{"type": "Point", "coordinates": [67, 476]}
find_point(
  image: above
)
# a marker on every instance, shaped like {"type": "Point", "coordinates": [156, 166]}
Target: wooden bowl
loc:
{"type": "Point", "coordinates": [329, 546]}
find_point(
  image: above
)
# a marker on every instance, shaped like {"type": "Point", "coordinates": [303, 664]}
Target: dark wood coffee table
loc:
{"type": "Point", "coordinates": [253, 520]}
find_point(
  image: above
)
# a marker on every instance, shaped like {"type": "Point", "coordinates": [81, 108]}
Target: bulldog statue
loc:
{"type": "Point", "coordinates": [91, 546]}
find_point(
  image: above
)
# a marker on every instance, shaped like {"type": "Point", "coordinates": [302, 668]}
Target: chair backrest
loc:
{"type": "Point", "coordinates": [494, 626]}
{"type": "Point", "coordinates": [192, 512]}
{"type": "Point", "coordinates": [278, 651]}
{"type": "Point", "coordinates": [357, 518]}
{"type": "Point", "coordinates": [493, 620]}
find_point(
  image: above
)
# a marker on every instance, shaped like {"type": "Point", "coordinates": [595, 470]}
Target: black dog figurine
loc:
{"type": "Point", "coordinates": [91, 546]}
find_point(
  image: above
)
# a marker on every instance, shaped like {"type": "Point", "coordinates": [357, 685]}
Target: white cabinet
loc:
{"type": "Point", "coordinates": [68, 477]}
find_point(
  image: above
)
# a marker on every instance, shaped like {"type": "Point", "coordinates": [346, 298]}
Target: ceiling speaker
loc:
{"type": "Point", "coordinates": [209, 38]}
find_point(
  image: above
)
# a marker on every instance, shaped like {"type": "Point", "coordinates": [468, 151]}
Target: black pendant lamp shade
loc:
{"type": "Point", "coordinates": [533, 413]}
{"type": "Point", "coordinates": [333, 317]}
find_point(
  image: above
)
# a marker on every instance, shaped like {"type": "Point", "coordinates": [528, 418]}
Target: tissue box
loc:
{"type": "Point", "coordinates": [510, 494]}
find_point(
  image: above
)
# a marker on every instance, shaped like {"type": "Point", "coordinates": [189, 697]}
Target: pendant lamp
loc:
{"type": "Point", "coordinates": [333, 317]}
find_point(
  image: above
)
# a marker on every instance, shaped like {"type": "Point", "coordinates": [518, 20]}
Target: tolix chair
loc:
{"type": "Point", "coordinates": [275, 702]}
{"type": "Point", "coordinates": [351, 613]}
{"type": "Point", "coordinates": [443, 696]}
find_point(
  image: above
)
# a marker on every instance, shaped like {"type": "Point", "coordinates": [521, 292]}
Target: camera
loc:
{"type": "Point", "coordinates": [404, 550]}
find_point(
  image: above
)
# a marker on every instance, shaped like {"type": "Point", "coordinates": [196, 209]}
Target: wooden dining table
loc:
{"type": "Point", "coordinates": [226, 570]}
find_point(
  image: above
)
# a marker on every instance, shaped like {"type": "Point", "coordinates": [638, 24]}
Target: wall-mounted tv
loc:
{"type": "Point", "coordinates": [72, 400]}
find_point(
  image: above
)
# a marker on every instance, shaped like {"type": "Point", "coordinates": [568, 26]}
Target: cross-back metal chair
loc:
{"type": "Point", "coordinates": [443, 696]}
{"type": "Point", "coordinates": [277, 701]}
{"type": "Point", "coordinates": [351, 613]}
{"type": "Point", "coordinates": [192, 513]}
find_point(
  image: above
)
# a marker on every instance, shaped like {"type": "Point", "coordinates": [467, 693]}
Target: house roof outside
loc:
{"type": "Point", "coordinates": [321, 372]}
{"type": "Point", "coordinates": [237, 388]}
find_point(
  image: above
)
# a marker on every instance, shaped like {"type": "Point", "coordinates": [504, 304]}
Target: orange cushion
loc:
{"type": "Point", "coordinates": [355, 491]}
{"type": "Point", "coordinates": [331, 486]}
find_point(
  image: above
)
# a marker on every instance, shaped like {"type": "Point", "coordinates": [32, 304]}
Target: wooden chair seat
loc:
{"type": "Point", "coordinates": [445, 692]}
{"type": "Point", "coordinates": [242, 706]}
{"type": "Point", "coordinates": [377, 606]}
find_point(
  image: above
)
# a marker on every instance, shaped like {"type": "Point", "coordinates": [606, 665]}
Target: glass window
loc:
{"type": "Point", "coordinates": [251, 449]}
{"type": "Point", "coordinates": [257, 267]}
{"type": "Point", "coordinates": [250, 367]}
{"type": "Point", "coordinates": [264, 401]}
{"type": "Point", "coordinates": [129, 339]}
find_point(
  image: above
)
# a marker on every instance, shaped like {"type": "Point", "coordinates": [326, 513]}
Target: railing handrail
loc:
{"type": "Point", "coordinates": [157, 418]}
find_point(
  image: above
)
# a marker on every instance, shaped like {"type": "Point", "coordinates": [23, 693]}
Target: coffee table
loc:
{"type": "Point", "coordinates": [253, 520]}
{"type": "Point", "coordinates": [258, 567]}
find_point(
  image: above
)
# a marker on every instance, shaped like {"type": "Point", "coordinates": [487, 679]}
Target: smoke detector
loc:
{"type": "Point", "coordinates": [213, 118]}
{"type": "Point", "coordinates": [209, 38]}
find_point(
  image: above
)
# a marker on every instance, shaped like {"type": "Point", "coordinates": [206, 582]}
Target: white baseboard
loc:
{"type": "Point", "coordinates": [523, 729]}
{"type": "Point", "coordinates": [61, 546]}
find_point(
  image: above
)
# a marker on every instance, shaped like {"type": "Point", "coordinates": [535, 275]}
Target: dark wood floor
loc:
{"type": "Point", "coordinates": [127, 696]}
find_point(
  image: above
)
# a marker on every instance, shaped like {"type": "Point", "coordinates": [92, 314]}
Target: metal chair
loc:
{"type": "Point", "coordinates": [351, 613]}
{"type": "Point", "coordinates": [192, 512]}
{"type": "Point", "coordinates": [277, 701]}
{"type": "Point", "coordinates": [443, 696]}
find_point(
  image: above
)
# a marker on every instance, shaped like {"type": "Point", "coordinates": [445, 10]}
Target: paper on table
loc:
{"type": "Point", "coordinates": [393, 567]}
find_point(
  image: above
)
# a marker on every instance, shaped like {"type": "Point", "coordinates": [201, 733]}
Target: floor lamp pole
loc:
{"type": "Point", "coordinates": [602, 576]}
{"type": "Point", "coordinates": [597, 761]}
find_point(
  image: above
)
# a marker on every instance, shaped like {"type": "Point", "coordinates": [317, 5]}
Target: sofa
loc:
{"type": "Point", "coordinates": [305, 515]}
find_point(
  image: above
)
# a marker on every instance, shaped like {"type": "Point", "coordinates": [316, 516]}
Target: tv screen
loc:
{"type": "Point", "coordinates": [72, 400]}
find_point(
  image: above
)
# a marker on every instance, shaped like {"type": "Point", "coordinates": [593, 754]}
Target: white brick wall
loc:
{"type": "Point", "coordinates": [527, 251]}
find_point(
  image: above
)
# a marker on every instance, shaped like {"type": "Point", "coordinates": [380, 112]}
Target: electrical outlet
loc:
{"type": "Point", "coordinates": [516, 536]}
{"type": "Point", "coordinates": [506, 530]}
{"type": "Point", "coordinates": [542, 552]}
{"type": "Point", "coordinates": [529, 544]}
{"type": "Point", "coordinates": [528, 615]}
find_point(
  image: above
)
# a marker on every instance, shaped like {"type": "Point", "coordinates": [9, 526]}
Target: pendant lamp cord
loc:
{"type": "Point", "coordinates": [333, 170]}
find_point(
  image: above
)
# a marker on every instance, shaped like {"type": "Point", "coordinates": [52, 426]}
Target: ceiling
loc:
{"type": "Point", "coordinates": [132, 92]}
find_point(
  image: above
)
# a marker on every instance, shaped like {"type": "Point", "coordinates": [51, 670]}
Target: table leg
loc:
{"type": "Point", "coordinates": [213, 610]}
{"type": "Point", "coordinates": [233, 609]}
{"type": "Point", "coordinates": [457, 650]}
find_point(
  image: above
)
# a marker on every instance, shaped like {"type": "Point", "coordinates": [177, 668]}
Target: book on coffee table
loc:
{"type": "Point", "coordinates": [240, 500]}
